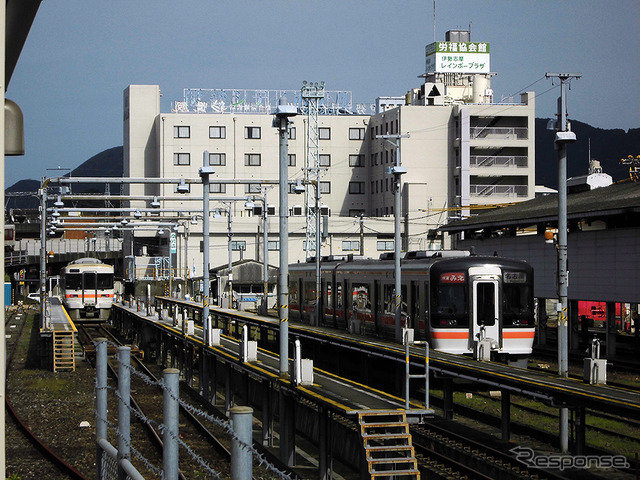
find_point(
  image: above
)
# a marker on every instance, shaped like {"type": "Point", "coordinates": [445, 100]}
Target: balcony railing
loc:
{"type": "Point", "coordinates": [508, 161]}
{"type": "Point", "coordinates": [499, 190]}
{"type": "Point", "coordinates": [500, 133]}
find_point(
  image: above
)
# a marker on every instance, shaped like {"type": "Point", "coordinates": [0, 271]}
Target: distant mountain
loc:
{"type": "Point", "coordinates": [607, 146]}
{"type": "Point", "coordinates": [108, 163]}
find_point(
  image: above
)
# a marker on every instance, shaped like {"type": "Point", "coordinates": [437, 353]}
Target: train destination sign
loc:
{"type": "Point", "coordinates": [453, 277]}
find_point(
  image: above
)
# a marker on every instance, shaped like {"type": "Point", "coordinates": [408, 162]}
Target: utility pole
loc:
{"type": "Point", "coordinates": [281, 122]}
{"type": "Point", "coordinates": [397, 171]}
{"type": "Point", "coordinates": [563, 137]}
{"type": "Point", "coordinates": [204, 172]}
{"type": "Point", "coordinates": [361, 235]}
{"type": "Point", "coordinates": [230, 252]}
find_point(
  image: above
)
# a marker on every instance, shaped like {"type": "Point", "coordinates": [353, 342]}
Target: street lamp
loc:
{"type": "Point", "coordinates": [281, 121]}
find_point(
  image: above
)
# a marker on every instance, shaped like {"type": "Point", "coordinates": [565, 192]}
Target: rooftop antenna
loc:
{"type": "Point", "coordinates": [434, 20]}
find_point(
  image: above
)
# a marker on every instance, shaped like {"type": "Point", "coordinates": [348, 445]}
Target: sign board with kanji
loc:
{"type": "Point", "coordinates": [457, 57]}
{"type": "Point", "coordinates": [173, 242]}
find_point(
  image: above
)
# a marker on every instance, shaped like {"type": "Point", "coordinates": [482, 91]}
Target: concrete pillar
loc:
{"type": "Point", "coordinates": [323, 441]}
{"type": "Point", "coordinates": [287, 429]}
{"type": "Point", "coordinates": [267, 414]}
{"type": "Point", "coordinates": [447, 398]}
{"type": "Point", "coordinates": [580, 429]}
{"type": "Point", "coordinates": [241, 456]}
{"type": "Point", "coordinates": [542, 321]}
{"type": "Point", "coordinates": [574, 329]}
{"type": "Point", "coordinates": [505, 401]}
{"type": "Point", "coordinates": [612, 330]}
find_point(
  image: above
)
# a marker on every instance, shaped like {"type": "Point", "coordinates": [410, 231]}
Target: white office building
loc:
{"type": "Point", "coordinates": [461, 150]}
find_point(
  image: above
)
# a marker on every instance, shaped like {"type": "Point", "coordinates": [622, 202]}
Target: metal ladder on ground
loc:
{"type": "Point", "coordinates": [64, 351]}
{"type": "Point", "coordinates": [387, 444]}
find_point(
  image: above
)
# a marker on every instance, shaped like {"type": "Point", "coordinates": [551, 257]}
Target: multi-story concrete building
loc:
{"type": "Point", "coordinates": [462, 152]}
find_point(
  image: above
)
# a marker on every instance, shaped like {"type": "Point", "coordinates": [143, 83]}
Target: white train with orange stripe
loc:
{"type": "Point", "coordinates": [450, 298]}
{"type": "Point", "coordinates": [87, 289]}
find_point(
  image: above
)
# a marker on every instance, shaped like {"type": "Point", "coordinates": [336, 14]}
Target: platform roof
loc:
{"type": "Point", "coordinates": [617, 199]}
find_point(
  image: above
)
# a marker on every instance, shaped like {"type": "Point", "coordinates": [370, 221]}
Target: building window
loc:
{"type": "Point", "coordinates": [356, 160]}
{"type": "Point", "coordinates": [239, 245]}
{"type": "Point", "coordinates": [325, 187]}
{"type": "Point", "coordinates": [217, 132]}
{"type": "Point", "coordinates": [356, 134]}
{"type": "Point", "coordinates": [356, 188]}
{"type": "Point", "coordinates": [217, 188]}
{"type": "Point", "coordinates": [292, 133]}
{"type": "Point", "coordinates": [385, 245]}
{"type": "Point", "coordinates": [182, 159]}
{"type": "Point", "coordinates": [351, 245]}
{"type": "Point", "coordinates": [324, 133]}
{"type": "Point", "coordinates": [252, 159]}
{"type": "Point", "coordinates": [218, 159]}
{"type": "Point", "coordinates": [292, 159]}
{"type": "Point", "coordinates": [273, 245]}
{"type": "Point", "coordinates": [324, 160]}
{"type": "Point", "coordinates": [181, 131]}
{"type": "Point", "coordinates": [252, 132]}
{"type": "Point", "coordinates": [253, 188]}
{"type": "Point", "coordinates": [356, 212]}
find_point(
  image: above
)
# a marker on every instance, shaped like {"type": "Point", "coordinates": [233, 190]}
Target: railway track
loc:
{"type": "Point", "coordinates": [208, 441]}
{"type": "Point", "coordinates": [41, 448]}
{"type": "Point", "coordinates": [441, 442]}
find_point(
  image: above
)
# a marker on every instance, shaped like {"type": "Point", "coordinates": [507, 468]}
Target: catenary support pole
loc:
{"type": "Point", "coordinates": [170, 419]}
{"type": "Point", "coordinates": [563, 137]}
{"type": "Point", "coordinates": [397, 171]}
{"type": "Point", "coordinates": [205, 171]}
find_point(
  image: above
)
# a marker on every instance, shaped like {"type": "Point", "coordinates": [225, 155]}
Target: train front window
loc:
{"type": "Point", "coordinates": [517, 305]}
{"type": "Point", "coordinates": [89, 280]}
{"type": "Point", "coordinates": [73, 281]}
{"type": "Point", "coordinates": [105, 281]}
{"type": "Point", "coordinates": [448, 305]}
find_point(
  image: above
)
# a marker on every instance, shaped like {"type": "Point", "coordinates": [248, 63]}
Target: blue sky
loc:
{"type": "Point", "coordinates": [80, 56]}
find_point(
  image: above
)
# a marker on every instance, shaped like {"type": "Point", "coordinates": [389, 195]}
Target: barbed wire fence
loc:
{"type": "Point", "coordinates": [114, 463]}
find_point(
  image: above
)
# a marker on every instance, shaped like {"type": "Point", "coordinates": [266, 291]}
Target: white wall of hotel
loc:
{"type": "Point", "coordinates": [458, 155]}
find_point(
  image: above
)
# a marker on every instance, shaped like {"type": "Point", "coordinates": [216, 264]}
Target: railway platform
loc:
{"type": "Point", "coordinates": [450, 370]}
{"type": "Point", "coordinates": [319, 407]}
{"type": "Point", "coordinates": [59, 332]}
{"type": "Point", "coordinates": [538, 385]}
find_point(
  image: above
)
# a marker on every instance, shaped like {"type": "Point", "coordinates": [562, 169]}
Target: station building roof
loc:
{"type": "Point", "coordinates": [619, 201]}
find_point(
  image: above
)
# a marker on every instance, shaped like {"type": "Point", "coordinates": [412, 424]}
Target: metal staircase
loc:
{"type": "Point", "coordinates": [389, 452]}
{"type": "Point", "coordinates": [64, 351]}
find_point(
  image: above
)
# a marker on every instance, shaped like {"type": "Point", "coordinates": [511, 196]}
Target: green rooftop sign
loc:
{"type": "Point", "coordinates": [460, 57]}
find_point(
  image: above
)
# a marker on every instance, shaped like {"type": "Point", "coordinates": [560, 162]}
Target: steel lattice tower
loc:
{"type": "Point", "coordinates": [311, 94]}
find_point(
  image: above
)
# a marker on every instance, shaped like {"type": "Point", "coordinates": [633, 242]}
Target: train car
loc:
{"type": "Point", "coordinates": [9, 238]}
{"type": "Point", "coordinates": [450, 298]}
{"type": "Point", "coordinates": [87, 289]}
